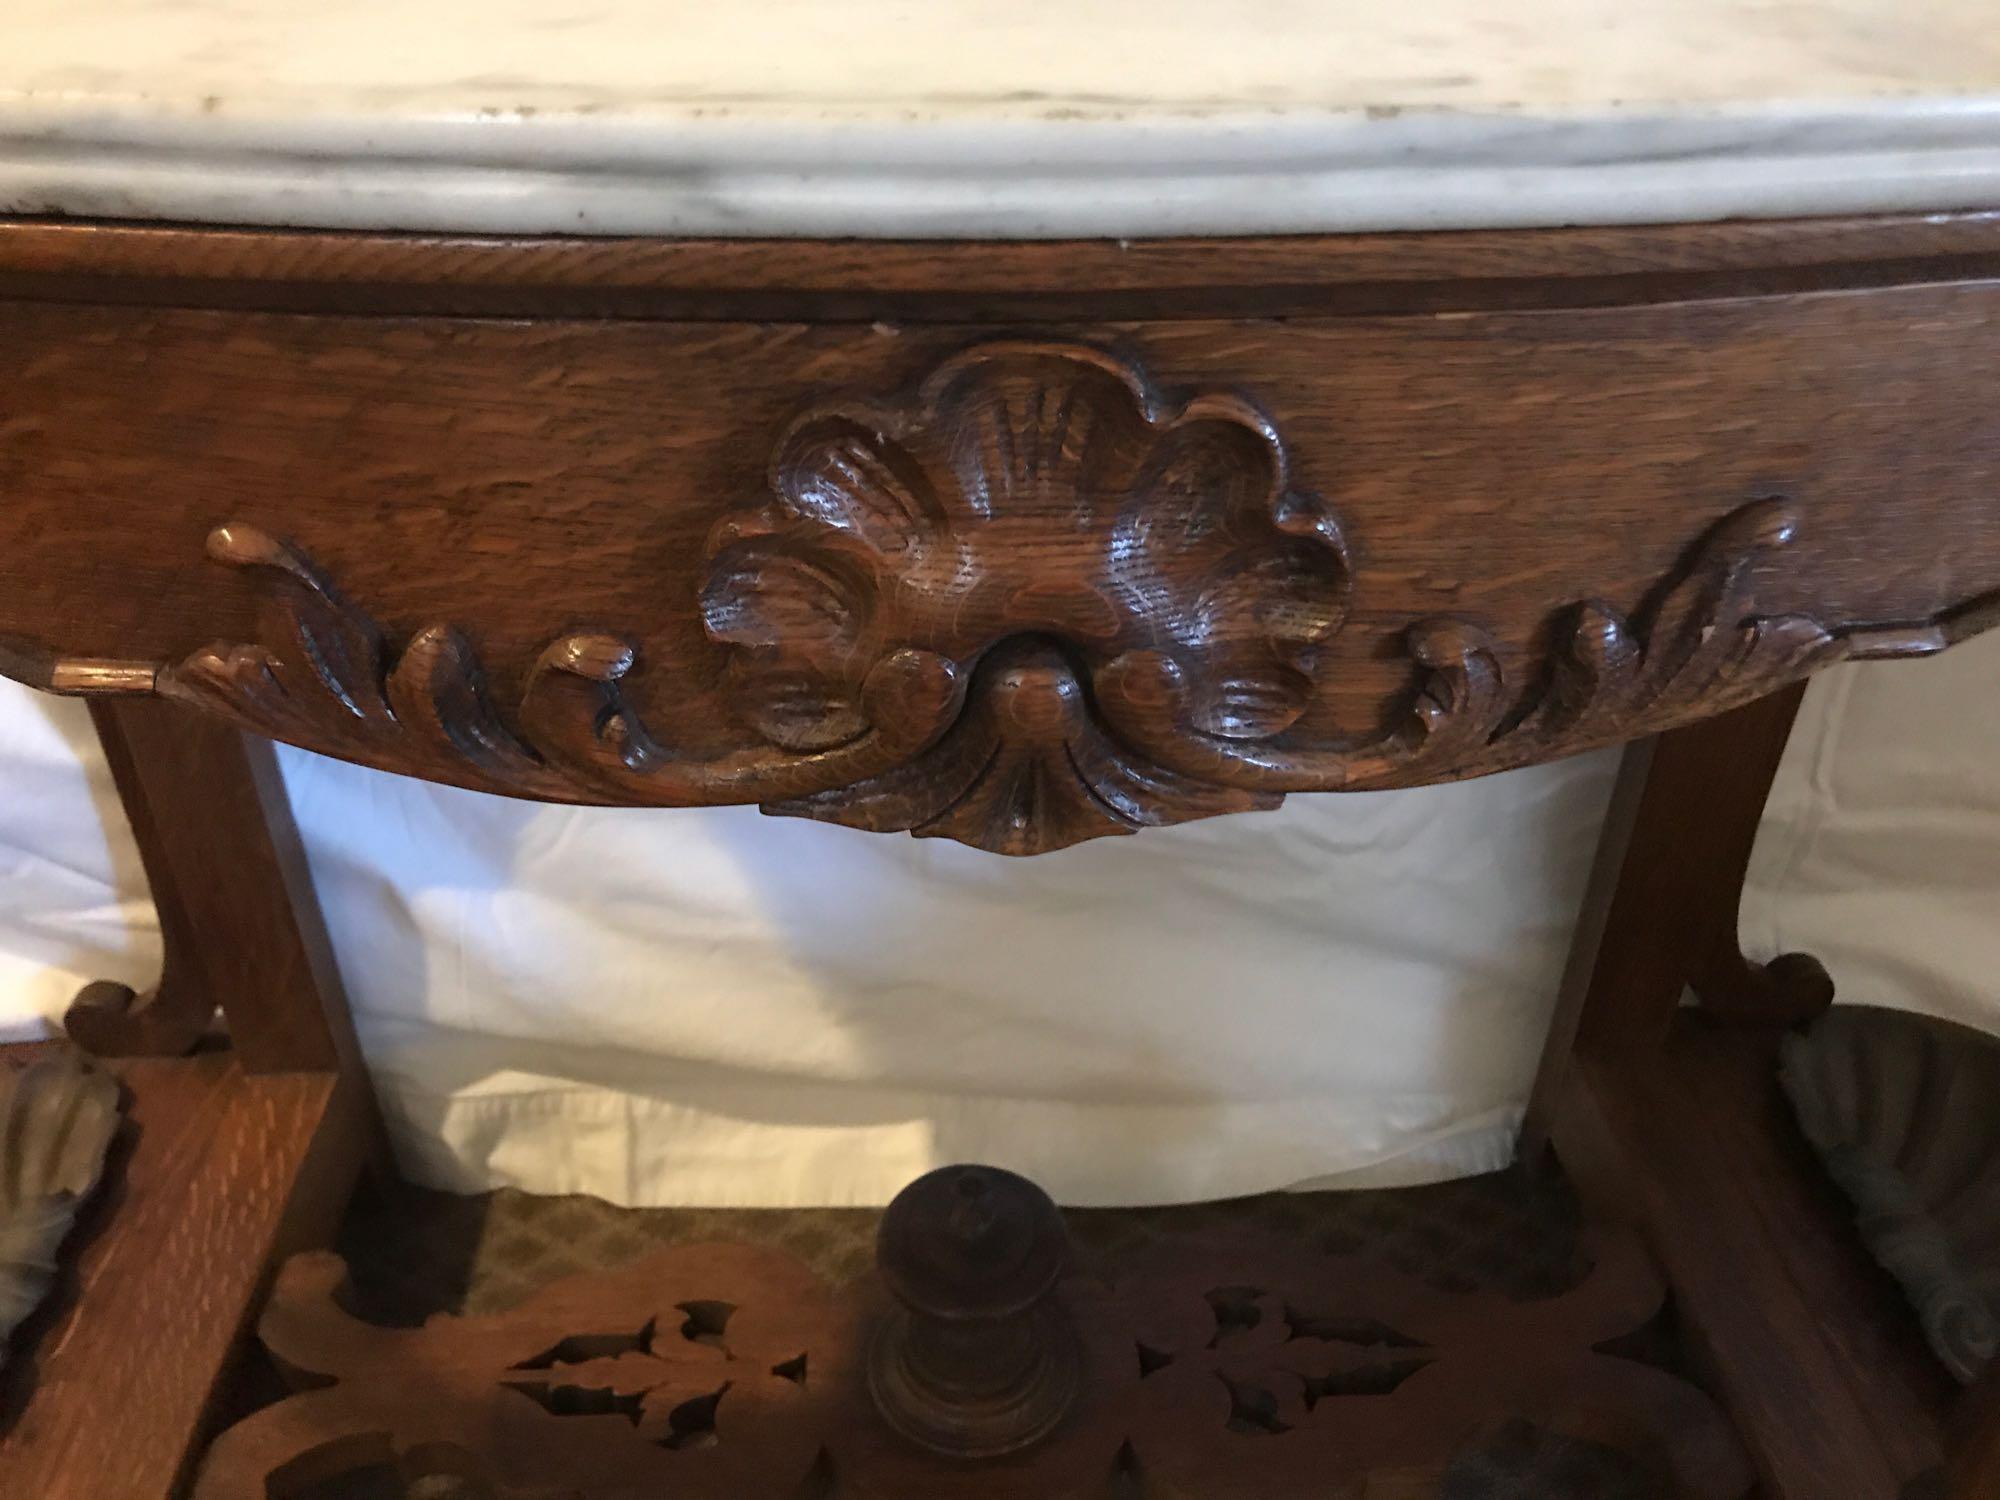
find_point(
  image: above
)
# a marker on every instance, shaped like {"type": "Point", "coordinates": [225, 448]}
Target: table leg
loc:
{"type": "Point", "coordinates": [1674, 1123]}
{"type": "Point", "coordinates": [1660, 912]}
{"type": "Point", "coordinates": [241, 926]}
{"type": "Point", "coordinates": [235, 1157]}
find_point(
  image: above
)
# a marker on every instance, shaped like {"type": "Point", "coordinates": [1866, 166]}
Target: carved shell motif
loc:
{"type": "Point", "coordinates": [1029, 603]}
{"type": "Point", "coordinates": [1034, 518]}
{"type": "Point", "coordinates": [1904, 1110]}
{"type": "Point", "coordinates": [1136, 593]}
{"type": "Point", "coordinates": [58, 1116]}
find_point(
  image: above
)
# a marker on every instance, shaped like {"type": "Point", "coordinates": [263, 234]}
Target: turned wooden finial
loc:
{"type": "Point", "coordinates": [977, 1357]}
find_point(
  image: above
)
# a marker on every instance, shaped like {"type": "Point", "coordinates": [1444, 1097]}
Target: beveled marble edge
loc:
{"type": "Point", "coordinates": [820, 174]}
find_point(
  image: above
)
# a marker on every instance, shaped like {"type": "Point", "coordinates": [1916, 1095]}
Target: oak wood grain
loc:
{"type": "Point", "coordinates": [1566, 488]}
{"type": "Point", "coordinates": [1511, 491]}
{"type": "Point", "coordinates": [1617, 841]}
{"type": "Point", "coordinates": [1805, 1340]}
{"type": "Point", "coordinates": [222, 1172]}
{"type": "Point", "coordinates": [1660, 912]}
{"type": "Point", "coordinates": [1215, 1367]}
{"type": "Point", "coordinates": [238, 916]}
{"type": "Point", "coordinates": [1088, 280]}
{"type": "Point", "coordinates": [112, 1020]}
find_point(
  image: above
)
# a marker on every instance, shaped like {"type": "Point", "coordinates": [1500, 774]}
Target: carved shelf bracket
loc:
{"type": "Point", "coordinates": [1029, 603]}
{"type": "Point", "coordinates": [1250, 1365]}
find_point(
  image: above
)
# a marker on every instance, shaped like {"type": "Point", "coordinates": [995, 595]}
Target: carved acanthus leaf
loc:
{"type": "Point", "coordinates": [321, 676]}
{"type": "Point", "coordinates": [1025, 770]}
{"type": "Point", "coordinates": [1700, 647]}
{"type": "Point", "coordinates": [1031, 603]}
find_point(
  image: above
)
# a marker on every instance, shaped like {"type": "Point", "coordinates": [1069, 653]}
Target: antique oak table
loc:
{"type": "Point", "coordinates": [1015, 426]}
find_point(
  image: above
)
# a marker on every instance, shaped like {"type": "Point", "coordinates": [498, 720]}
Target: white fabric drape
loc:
{"type": "Point", "coordinates": [1880, 848]}
{"type": "Point", "coordinates": [712, 1007]}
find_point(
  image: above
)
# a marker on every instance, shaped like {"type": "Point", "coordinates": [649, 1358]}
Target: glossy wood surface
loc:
{"type": "Point", "coordinates": [1244, 1366]}
{"type": "Point", "coordinates": [1805, 1340]}
{"type": "Point", "coordinates": [1022, 545]}
{"type": "Point", "coordinates": [1659, 915]}
{"type": "Point", "coordinates": [222, 855]}
{"type": "Point", "coordinates": [220, 1172]}
{"type": "Point", "coordinates": [984, 281]}
{"type": "Point", "coordinates": [1511, 494]}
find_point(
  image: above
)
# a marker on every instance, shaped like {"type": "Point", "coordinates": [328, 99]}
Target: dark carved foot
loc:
{"type": "Point", "coordinates": [1904, 1111]}
{"type": "Point", "coordinates": [978, 1358]}
{"type": "Point", "coordinates": [112, 1020]}
{"type": "Point", "coordinates": [1790, 990]}
{"type": "Point", "coordinates": [57, 1119]}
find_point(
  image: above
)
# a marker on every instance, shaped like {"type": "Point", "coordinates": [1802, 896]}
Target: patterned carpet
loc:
{"type": "Point", "coordinates": [414, 1252]}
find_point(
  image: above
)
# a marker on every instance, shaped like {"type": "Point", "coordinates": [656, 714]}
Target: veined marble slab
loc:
{"type": "Point", "coordinates": [994, 118]}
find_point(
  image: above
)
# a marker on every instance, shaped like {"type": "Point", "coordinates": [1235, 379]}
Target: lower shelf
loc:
{"type": "Point", "coordinates": [1468, 1341]}
{"type": "Point", "coordinates": [1462, 1342]}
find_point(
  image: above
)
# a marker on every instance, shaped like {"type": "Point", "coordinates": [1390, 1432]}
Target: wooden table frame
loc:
{"type": "Point", "coordinates": [1666, 1117]}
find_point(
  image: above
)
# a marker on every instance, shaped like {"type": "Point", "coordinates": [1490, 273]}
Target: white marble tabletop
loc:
{"type": "Point", "coordinates": [994, 118]}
